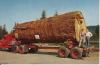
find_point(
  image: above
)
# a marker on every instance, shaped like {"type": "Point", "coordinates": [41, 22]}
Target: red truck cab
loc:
{"type": "Point", "coordinates": [6, 41]}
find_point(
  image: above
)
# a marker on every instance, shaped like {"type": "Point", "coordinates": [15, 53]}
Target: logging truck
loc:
{"type": "Point", "coordinates": [61, 28]}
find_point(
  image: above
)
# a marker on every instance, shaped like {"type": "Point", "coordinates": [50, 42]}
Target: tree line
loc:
{"type": "Point", "coordinates": [96, 33]}
{"type": "Point", "coordinates": [43, 15]}
{"type": "Point", "coordinates": [3, 31]}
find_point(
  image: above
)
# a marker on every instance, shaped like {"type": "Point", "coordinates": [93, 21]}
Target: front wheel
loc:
{"type": "Point", "coordinates": [13, 48]}
{"type": "Point", "coordinates": [23, 49]}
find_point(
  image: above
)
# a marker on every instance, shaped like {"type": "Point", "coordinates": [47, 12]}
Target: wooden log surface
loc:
{"type": "Point", "coordinates": [53, 29]}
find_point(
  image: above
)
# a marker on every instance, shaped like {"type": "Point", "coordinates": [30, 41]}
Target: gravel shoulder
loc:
{"type": "Point", "coordinates": [44, 56]}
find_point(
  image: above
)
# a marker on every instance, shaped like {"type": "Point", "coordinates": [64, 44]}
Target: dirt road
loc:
{"type": "Point", "coordinates": [44, 57]}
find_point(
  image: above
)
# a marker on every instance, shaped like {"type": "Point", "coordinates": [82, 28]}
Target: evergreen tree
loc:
{"type": "Point", "coordinates": [4, 30]}
{"type": "Point", "coordinates": [56, 14]}
{"type": "Point", "coordinates": [97, 29]}
{"type": "Point", "coordinates": [97, 32]}
{"type": "Point", "coordinates": [1, 35]}
{"type": "Point", "coordinates": [43, 14]}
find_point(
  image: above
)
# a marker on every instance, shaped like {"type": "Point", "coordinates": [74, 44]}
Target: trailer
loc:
{"type": "Point", "coordinates": [62, 28]}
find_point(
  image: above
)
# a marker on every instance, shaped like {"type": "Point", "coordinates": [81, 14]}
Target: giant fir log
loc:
{"type": "Point", "coordinates": [53, 29]}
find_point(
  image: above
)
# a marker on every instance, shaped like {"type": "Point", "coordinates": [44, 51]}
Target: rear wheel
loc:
{"type": "Point", "coordinates": [76, 53]}
{"type": "Point", "coordinates": [85, 53]}
{"type": "Point", "coordinates": [34, 50]}
{"type": "Point", "coordinates": [63, 52]}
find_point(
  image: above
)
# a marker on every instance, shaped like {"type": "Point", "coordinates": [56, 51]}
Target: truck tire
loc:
{"type": "Point", "coordinates": [85, 53]}
{"type": "Point", "coordinates": [34, 50]}
{"type": "Point", "coordinates": [76, 53]}
{"type": "Point", "coordinates": [13, 48]}
{"type": "Point", "coordinates": [23, 49]}
{"type": "Point", "coordinates": [63, 52]}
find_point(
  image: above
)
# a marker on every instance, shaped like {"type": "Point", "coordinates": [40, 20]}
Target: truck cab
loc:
{"type": "Point", "coordinates": [5, 42]}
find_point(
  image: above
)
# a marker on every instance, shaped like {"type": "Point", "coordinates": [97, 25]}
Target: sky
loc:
{"type": "Point", "coordinates": [20, 11]}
